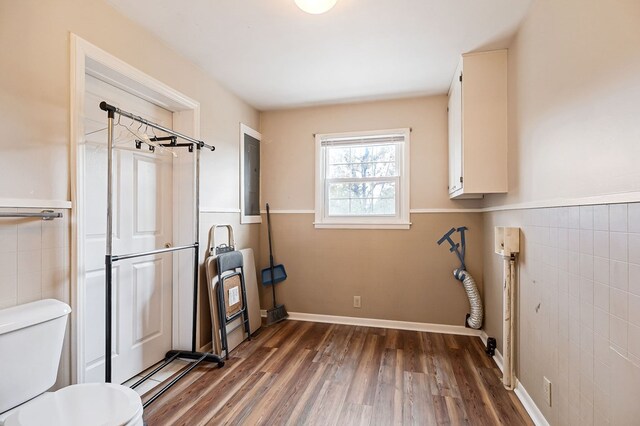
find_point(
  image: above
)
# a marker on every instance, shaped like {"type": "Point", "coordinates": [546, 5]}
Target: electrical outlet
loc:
{"type": "Point", "coordinates": [547, 390]}
{"type": "Point", "coordinates": [356, 302]}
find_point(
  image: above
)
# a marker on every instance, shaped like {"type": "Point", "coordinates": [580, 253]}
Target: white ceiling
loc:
{"type": "Point", "coordinates": [273, 55]}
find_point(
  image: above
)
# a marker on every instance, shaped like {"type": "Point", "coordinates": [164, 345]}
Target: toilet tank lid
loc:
{"type": "Point", "coordinates": [33, 313]}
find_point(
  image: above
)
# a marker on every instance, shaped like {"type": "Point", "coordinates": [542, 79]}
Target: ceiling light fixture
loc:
{"type": "Point", "coordinates": [316, 7]}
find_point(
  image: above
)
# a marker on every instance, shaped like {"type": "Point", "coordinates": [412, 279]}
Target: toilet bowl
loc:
{"type": "Point", "coordinates": [81, 405]}
{"type": "Point", "coordinates": [31, 337]}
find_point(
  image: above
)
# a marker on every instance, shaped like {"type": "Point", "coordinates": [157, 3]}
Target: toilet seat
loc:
{"type": "Point", "coordinates": [82, 405]}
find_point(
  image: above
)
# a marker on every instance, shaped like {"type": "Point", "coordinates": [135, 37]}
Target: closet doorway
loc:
{"type": "Point", "coordinates": [153, 205]}
{"type": "Point", "coordinates": [142, 211]}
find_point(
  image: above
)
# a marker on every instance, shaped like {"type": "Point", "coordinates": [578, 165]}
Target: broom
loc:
{"type": "Point", "coordinates": [278, 312]}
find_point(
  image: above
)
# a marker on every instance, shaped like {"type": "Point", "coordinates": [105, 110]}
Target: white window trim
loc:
{"type": "Point", "coordinates": [400, 221]}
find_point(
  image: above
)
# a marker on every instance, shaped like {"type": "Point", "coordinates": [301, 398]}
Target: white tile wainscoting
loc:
{"type": "Point", "coordinates": [34, 265]}
{"type": "Point", "coordinates": [579, 304]}
{"type": "Point", "coordinates": [34, 258]}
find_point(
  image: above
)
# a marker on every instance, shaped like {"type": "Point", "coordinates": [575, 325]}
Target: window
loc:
{"type": "Point", "coordinates": [362, 180]}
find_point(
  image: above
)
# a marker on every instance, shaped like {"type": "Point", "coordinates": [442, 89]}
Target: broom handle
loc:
{"type": "Point", "coordinates": [273, 284]}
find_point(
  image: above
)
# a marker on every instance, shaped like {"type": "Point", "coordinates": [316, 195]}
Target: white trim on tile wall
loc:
{"type": "Point", "coordinates": [34, 204]}
{"type": "Point", "coordinates": [621, 198]}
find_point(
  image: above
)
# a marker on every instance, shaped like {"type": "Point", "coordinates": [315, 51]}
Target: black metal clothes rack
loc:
{"type": "Point", "coordinates": [110, 258]}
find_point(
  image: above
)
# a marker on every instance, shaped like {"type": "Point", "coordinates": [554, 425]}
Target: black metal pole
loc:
{"type": "Point", "coordinates": [196, 244]}
{"type": "Point", "coordinates": [155, 370]}
{"type": "Point", "coordinates": [107, 318]}
{"type": "Point", "coordinates": [108, 304]}
{"type": "Point", "coordinates": [196, 266]}
{"type": "Point", "coordinates": [117, 258]}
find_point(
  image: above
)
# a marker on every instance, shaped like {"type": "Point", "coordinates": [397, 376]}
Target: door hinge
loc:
{"type": "Point", "coordinates": [460, 179]}
{"type": "Point", "coordinates": [460, 78]}
{"type": "Point", "coordinates": [447, 109]}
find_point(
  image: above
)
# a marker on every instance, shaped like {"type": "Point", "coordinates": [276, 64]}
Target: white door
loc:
{"type": "Point", "coordinates": [142, 211]}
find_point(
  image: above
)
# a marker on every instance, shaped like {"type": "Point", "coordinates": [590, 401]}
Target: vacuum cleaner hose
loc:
{"type": "Point", "coordinates": [475, 318]}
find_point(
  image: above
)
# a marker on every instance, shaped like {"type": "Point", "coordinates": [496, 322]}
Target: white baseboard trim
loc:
{"type": "Point", "coordinates": [527, 402]}
{"type": "Point", "coordinates": [381, 323]}
{"type": "Point", "coordinates": [499, 361]}
{"type": "Point", "coordinates": [498, 356]}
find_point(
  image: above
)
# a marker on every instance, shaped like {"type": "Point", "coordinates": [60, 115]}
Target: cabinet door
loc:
{"type": "Point", "coordinates": [455, 135]}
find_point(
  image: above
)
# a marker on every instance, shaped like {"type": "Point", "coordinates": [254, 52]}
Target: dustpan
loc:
{"type": "Point", "coordinates": [279, 275]}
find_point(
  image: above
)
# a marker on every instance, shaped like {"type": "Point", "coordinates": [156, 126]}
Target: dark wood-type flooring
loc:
{"type": "Point", "coordinates": [295, 373]}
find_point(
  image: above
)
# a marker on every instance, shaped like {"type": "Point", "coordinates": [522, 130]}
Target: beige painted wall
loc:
{"type": "Point", "coordinates": [400, 274]}
{"type": "Point", "coordinates": [34, 95]}
{"type": "Point", "coordinates": [34, 109]}
{"type": "Point", "coordinates": [289, 152]}
{"type": "Point", "coordinates": [574, 85]}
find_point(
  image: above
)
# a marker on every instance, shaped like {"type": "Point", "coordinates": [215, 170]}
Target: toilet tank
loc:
{"type": "Point", "coordinates": [31, 337]}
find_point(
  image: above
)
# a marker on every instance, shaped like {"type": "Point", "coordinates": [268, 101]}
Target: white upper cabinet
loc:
{"type": "Point", "coordinates": [478, 126]}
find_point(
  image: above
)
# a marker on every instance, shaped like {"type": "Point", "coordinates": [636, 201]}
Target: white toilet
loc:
{"type": "Point", "coordinates": [31, 337]}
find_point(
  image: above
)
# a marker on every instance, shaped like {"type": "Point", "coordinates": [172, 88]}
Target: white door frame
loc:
{"type": "Point", "coordinates": [89, 59]}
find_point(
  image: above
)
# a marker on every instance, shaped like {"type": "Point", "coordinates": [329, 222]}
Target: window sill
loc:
{"type": "Point", "coordinates": [405, 226]}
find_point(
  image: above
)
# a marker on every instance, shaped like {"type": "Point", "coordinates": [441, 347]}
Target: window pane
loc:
{"type": "Point", "coordinates": [385, 152]}
{"type": "Point", "coordinates": [339, 155]}
{"type": "Point", "coordinates": [384, 206]}
{"type": "Point", "coordinates": [339, 190]}
{"type": "Point", "coordinates": [360, 207]}
{"type": "Point", "coordinates": [361, 154]}
{"type": "Point", "coordinates": [385, 169]}
{"type": "Point", "coordinates": [362, 161]}
{"type": "Point", "coordinates": [339, 207]}
{"type": "Point", "coordinates": [340, 171]}
{"type": "Point", "coordinates": [362, 198]}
